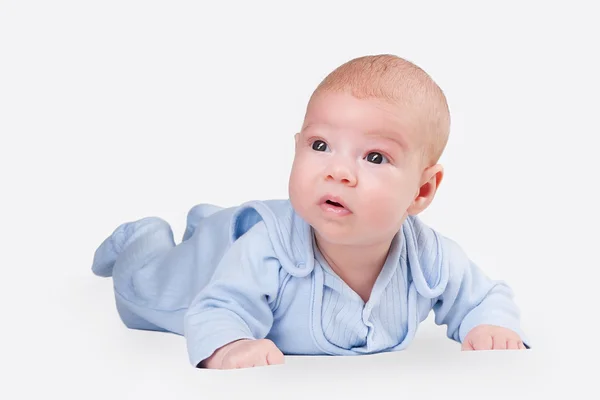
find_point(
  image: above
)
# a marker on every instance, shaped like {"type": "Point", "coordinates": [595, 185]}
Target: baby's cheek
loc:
{"type": "Point", "coordinates": [384, 210]}
{"type": "Point", "coordinates": [378, 209]}
{"type": "Point", "coordinates": [301, 193]}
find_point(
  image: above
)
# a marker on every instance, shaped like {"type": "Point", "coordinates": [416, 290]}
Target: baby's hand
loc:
{"type": "Point", "coordinates": [491, 337]}
{"type": "Point", "coordinates": [245, 353]}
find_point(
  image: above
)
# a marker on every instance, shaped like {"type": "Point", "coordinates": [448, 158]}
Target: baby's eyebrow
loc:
{"type": "Point", "coordinates": [311, 126]}
{"type": "Point", "coordinates": [390, 136]}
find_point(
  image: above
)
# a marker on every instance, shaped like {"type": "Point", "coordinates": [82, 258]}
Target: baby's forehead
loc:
{"type": "Point", "coordinates": [369, 116]}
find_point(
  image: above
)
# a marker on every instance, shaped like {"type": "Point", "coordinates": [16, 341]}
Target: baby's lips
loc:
{"type": "Point", "coordinates": [334, 199]}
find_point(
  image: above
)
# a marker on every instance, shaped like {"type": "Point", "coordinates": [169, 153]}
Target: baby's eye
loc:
{"type": "Point", "coordinates": [376, 158]}
{"type": "Point", "coordinates": [319, 145]}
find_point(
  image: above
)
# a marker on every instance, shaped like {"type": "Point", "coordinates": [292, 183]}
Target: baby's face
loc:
{"type": "Point", "coordinates": [363, 155]}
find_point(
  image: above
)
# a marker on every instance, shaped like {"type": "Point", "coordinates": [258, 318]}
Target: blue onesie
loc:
{"type": "Point", "coordinates": [253, 271]}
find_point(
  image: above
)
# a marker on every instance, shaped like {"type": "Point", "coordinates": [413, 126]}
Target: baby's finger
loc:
{"type": "Point", "coordinates": [467, 345]}
{"type": "Point", "coordinates": [499, 343]}
{"type": "Point", "coordinates": [522, 346]}
{"type": "Point", "coordinates": [484, 342]}
{"type": "Point", "coordinates": [274, 357]}
{"type": "Point", "coordinates": [512, 344]}
{"type": "Point", "coordinates": [242, 363]}
{"type": "Point", "coordinates": [237, 362]}
{"type": "Point", "coordinates": [260, 360]}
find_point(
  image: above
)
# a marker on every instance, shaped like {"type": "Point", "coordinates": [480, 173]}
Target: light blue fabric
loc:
{"type": "Point", "coordinates": [253, 271]}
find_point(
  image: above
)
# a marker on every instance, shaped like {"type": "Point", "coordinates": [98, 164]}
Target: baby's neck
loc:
{"type": "Point", "coordinates": [357, 266]}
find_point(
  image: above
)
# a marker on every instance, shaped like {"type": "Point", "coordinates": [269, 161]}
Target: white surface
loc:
{"type": "Point", "coordinates": [116, 110]}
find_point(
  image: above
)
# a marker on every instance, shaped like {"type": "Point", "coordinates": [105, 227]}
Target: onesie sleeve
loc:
{"type": "Point", "coordinates": [237, 302]}
{"type": "Point", "coordinates": [470, 298]}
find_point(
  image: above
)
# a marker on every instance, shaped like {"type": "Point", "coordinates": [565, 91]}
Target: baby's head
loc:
{"type": "Point", "coordinates": [372, 135]}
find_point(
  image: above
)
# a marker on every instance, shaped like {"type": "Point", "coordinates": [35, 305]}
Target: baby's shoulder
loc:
{"type": "Point", "coordinates": [428, 254]}
{"type": "Point", "coordinates": [420, 235]}
{"type": "Point", "coordinates": [425, 238]}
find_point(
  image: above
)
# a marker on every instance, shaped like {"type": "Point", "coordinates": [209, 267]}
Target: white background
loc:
{"type": "Point", "coordinates": [115, 110]}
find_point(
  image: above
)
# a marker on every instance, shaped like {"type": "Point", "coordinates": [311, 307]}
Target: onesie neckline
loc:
{"type": "Point", "coordinates": [321, 267]}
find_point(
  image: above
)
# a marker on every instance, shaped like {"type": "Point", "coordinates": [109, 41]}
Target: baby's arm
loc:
{"type": "Point", "coordinates": [236, 304]}
{"type": "Point", "coordinates": [471, 300]}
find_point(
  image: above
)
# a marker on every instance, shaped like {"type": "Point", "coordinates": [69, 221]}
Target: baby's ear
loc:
{"type": "Point", "coordinates": [430, 182]}
{"type": "Point", "coordinates": [296, 136]}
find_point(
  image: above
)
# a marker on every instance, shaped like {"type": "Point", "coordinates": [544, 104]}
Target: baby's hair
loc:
{"type": "Point", "coordinates": [398, 81]}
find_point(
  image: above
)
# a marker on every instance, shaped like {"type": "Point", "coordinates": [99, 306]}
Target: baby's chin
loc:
{"type": "Point", "coordinates": [352, 241]}
{"type": "Point", "coordinates": [353, 233]}
{"type": "Point", "coordinates": [341, 235]}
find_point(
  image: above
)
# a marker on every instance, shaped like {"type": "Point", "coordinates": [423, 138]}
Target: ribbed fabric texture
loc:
{"type": "Point", "coordinates": [346, 318]}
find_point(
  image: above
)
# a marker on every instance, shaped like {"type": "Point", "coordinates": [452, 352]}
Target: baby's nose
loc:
{"type": "Point", "coordinates": [343, 174]}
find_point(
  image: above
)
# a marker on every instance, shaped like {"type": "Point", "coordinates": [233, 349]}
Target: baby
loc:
{"type": "Point", "coordinates": [342, 267]}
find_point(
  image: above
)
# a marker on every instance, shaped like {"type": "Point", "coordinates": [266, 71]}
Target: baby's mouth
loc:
{"type": "Point", "coordinates": [333, 203]}
{"type": "Point", "coordinates": [334, 208]}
